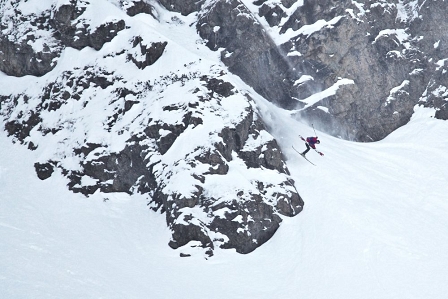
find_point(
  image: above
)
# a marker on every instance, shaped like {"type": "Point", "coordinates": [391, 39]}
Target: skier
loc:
{"type": "Point", "coordinates": [310, 142]}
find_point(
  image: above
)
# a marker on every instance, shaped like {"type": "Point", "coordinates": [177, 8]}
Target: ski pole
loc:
{"type": "Point", "coordinates": [314, 129]}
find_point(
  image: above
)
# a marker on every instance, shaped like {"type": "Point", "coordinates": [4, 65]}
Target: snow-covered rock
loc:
{"type": "Point", "coordinates": [132, 105]}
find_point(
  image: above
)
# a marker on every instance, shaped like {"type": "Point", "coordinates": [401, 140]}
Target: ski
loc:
{"type": "Point", "coordinates": [303, 156]}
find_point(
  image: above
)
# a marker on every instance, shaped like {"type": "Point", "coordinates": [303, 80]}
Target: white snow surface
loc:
{"type": "Point", "coordinates": [374, 226]}
{"type": "Point", "coordinates": [330, 91]}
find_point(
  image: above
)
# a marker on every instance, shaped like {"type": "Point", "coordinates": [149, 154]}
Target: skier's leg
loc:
{"type": "Point", "coordinates": [307, 149]}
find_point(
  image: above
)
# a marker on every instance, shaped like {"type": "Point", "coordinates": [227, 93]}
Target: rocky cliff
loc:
{"type": "Point", "coordinates": [118, 97]}
{"type": "Point", "coordinates": [355, 69]}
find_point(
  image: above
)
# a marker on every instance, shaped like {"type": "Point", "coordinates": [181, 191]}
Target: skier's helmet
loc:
{"type": "Point", "coordinates": [318, 141]}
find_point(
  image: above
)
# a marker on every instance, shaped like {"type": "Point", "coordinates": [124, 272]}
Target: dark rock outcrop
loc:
{"type": "Point", "coordinates": [32, 44]}
{"type": "Point", "coordinates": [185, 7]}
{"type": "Point", "coordinates": [71, 29]}
{"type": "Point", "coordinates": [136, 7]}
{"type": "Point", "coordinates": [24, 51]}
{"type": "Point", "coordinates": [436, 93]}
{"type": "Point", "coordinates": [21, 59]}
{"type": "Point", "coordinates": [248, 51]}
{"type": "Point", "coordinates": [147, 54]}
{"type": "Point", "coordinates": [20, 128]}
{"type": "Point", "coordinates": [44, 170]}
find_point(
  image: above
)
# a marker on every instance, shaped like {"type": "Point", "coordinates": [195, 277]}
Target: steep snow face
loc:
{"type": "Point", "coordinates": [375, 226]}
{"type": "Point", "coordinates": [140, 105]}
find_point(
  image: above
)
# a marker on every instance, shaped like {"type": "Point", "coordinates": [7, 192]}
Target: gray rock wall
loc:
{"type": "Point", "coordinates": [246, 48]}
{"type": "Point", "coordinates": [390, 50]}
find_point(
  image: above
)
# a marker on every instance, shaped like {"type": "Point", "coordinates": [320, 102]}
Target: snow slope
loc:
{"type": "Point", "coordinates": [374, 226]}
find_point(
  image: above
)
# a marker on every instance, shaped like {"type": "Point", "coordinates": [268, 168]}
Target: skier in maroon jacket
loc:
{"type": "Point", "coordinates": [310, 142]}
